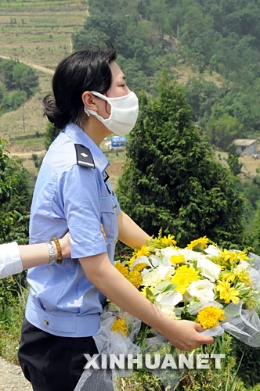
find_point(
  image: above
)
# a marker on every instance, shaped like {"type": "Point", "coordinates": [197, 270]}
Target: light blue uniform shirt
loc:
{"type": "Point", "coordinates": [69, 196]}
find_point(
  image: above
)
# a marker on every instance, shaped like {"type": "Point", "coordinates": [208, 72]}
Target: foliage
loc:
{"type": "Point", "coordinates": [233, 160]}
{"type": "Point", "coordinates": [18, 76]}
{"type": "Point", "coordinates": [51, 133]}
{"type": "Point", "coordinates": [209, 37]}
{"type": "Point", "coordinates": [11, 318]}
{"type": "Point", "coordinates": [19, 84]}
{"type": "Point", "coordinates": [223, 379]}
{"type": "Point", "coordinates": [222, 128]}
{"type": "Point", "coordinates": [171, 179]}
{"type": "Point", "coordinates": [250, 360]}
{"type": "Point", "coordinates": [15, 198]}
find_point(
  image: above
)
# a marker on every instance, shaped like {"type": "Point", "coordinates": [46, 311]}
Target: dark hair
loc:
{"type": "Point", "coordinates": [84, 70]}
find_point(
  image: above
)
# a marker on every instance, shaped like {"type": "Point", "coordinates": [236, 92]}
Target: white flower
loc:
{"type": "Point", "coordinates": [241, 267]}
{"type": "Point", "coordinates": [209, 269]}
{"type": "Point", "coordinates": [195, 307]}
{"type": "Point", "coordinates": [140, 260]}
{"type": "Point", "coordinates": [155, 276]}
{"type": "Point", "coordinates": [213, 251]}
{"type": "Point", "coordinates": [168, 310]}
{"type": "Point", "coordinates": [166, 253]}
{"type": "Point", "coordinates": [191, 255]}
{"type": "Point", "coordinates": [170, 299]}
{"type": "Point", "coordinates": [201, 290]}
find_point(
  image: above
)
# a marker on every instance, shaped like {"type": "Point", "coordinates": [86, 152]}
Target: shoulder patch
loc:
{"type": "Point", "coordinates": [84, 156]}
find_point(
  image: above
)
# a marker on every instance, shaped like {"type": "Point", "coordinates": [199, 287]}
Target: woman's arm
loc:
{"type": "Point", "coordinates": [181, 333]}
{"type": "Point", "coordinates": [14, 258]}
{"type": "Point", "coordinates": [129, 232]}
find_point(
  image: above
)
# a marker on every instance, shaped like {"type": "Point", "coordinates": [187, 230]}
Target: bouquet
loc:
{"type": "Point", "coordinates": [215, 287]}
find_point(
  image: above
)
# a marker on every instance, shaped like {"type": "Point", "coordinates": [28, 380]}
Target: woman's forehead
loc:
{"type": "Point", "coordinates": [117, 72]}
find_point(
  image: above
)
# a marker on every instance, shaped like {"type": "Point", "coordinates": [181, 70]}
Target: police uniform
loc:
{"type": "Point", "coordinates": [72, 192]}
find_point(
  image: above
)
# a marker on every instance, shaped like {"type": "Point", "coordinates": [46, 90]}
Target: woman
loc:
{"type": "Point", "coordinates": [91, 101]}
{"type": "Point", "coordinates": [14, 258]}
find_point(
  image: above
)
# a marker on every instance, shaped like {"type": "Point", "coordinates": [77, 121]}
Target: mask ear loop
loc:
{"type": "Point", "coordinates": [86, 111]}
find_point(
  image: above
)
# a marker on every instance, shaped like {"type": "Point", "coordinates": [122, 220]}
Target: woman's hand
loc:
{"type": "Point", "coordinates": [185, 334]}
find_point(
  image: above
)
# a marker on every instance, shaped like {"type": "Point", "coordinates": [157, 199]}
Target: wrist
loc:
{"type": "Point", "coordinates": [55, 251]}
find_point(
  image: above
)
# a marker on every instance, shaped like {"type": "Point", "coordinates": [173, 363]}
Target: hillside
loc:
{"type": "Point", "coordinates": [37, 32]}
{"type": "Point", "coordinates": [40, 33]}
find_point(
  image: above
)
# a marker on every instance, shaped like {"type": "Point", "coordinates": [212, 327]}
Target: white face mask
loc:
{"type": "Point", "coordinates": [124, 113]}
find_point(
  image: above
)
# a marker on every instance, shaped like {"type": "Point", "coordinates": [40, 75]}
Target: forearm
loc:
{"type": "Point", "coordinates": [120, 291]}
{"type": "Point", "coordinates": [182, 334]}
{"type": "Point", "coordinates": [14, 258]}
{"type": "Point", "coordinates": [130, 233]}
{"type": "Point", "coordinates": [34, 255]}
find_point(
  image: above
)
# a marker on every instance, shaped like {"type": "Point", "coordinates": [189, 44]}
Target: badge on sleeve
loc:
{"type": "Point", "coordinates": [84, 156]}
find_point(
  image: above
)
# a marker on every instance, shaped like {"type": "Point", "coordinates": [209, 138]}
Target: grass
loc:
{"type": "Point", "coordinates": [36, 32]}
{"type": "Point", "coordinates": [39, 30]}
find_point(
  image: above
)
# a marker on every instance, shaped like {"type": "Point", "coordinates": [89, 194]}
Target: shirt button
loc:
{"type": "Point", "coordinates": [46, 322]}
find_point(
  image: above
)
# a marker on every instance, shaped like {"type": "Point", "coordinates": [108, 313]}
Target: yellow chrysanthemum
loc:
{"type": "Point", "coordinates": [140, 266]}
{"type": "Point", "coordinates": [233, 257]}
{"type": "Point", "coordinates": [121, 268]}
{"type": "Point", "coordinates": [228, 277]}
{"type": "Point", "coordinates": [198, 244]}
{"type": "Point", "coordinates": [168, 240]}
{"type": "Point", "coordinates": [228, 256]}
{"type": "Point", "coordinates": [227, 293]}
{"type": "Point", "coordinates": [243, 276]}
{"type": "Point", "coordinates": [120, 326]}
{"type": "Point", "coordinates": [143, 251]}
{"type": "Point", "coordinates": [176, 259]}
{"type": "Point", "coordinates": [135, 278]}
{"type": "Point", "coordinates": [183, 277]}
{"type": "Point", "coordinates": [210, 316]}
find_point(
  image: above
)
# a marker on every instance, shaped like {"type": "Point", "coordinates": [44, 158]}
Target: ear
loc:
{"type": "Point", "coordinates": [88, 100]}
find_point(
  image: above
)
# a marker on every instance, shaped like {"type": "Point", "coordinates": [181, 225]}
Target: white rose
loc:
{"type": "Point", "coordinates": [212, 251]}
{"type": "Point", "coordinates": [168, 310]}
{"type": "Point", "coordinates": [155, 276]}
{"type": "Point", "coordinates": [167, 253]}
{"type": "Point", "coordinates": [201, 290]}
{"type": "Point", "coordinates": [209, 269]}
{"type": "Point", "coordinates": [170, 299]}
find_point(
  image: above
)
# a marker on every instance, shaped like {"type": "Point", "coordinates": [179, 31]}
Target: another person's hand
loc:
{"type": "Point", "coordinates": [65, 242]}
{"type": "Point", "coordinates": [65, 245]}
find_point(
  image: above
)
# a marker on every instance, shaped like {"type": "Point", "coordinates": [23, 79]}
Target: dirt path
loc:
{"type": "Point", "coordinates": [12, 378]}
{"type": "Point", "coordinates": [35, 66]}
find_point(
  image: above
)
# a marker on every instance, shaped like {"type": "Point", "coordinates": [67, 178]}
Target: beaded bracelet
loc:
{"type": "Point", "coordinates": [58, 248]}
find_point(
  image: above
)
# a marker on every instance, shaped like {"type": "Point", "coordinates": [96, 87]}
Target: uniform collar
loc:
{"type": "Point", "coordinates": [78, 136]}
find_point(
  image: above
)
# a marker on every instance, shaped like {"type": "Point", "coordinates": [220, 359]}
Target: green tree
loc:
{"type": "Point", "coordinates": [256, 230]}
{"type": "Point", "coordinates": [18, 76]}
{"type": "Point", "coordinates": [15, 198]}
{"type": "Point", "coordinates": [50, 134]}
{"type": "Point", "coordinates": [222, 128]}
{"type": "Point", "coordinates": [171, 179]}
{"type": "Point", "coordinates": [233, 160]}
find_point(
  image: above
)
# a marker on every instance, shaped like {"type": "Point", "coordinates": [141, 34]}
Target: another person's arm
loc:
{"type": "Point", "coordinates": [15, 258]}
